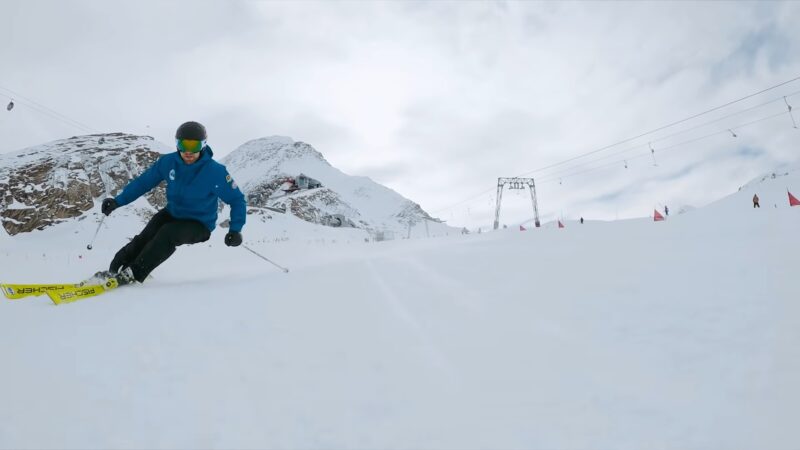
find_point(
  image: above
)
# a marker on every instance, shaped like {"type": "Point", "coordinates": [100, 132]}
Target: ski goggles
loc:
{"type": "Point", "coordinates": [189, 145]}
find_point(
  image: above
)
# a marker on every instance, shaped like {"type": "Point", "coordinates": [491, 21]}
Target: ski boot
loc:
{"type": "Point", "coordinates": [108, 278]}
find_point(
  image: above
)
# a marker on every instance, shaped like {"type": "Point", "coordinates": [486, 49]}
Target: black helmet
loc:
{"type": "Point", "coordinates": [191, 130]}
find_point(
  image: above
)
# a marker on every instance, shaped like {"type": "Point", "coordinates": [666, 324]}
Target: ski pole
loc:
{"type": "Point", "coordinates": [284, 269]}
{"type": "Point", "coordinates": [89, 247]}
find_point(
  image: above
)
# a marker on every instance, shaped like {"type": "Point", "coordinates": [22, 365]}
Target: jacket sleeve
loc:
{"type": "Point", "coordinates": [141, 184]}
{"type": "Point", "coordinates": [229, 192]}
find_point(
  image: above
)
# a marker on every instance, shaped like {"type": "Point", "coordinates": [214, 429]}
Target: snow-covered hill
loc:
{"type": "Point", "coordinates": [633, 334]}
{"type": "Point", "coordinates": [261, 165]}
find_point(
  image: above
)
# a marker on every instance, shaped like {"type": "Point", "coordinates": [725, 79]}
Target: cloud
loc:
{"type": "Point", "coordinates": [434, 99]}
{"type": "Point", "coordinates": [763, 46]}
{"type": "Point", "coordinates": [747, 152]}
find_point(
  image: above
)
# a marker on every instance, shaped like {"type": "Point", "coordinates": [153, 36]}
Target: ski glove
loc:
{"type": "Point", "coordinates": [109, 205]}
{"type": "Point", "coordinates": [233, 238]}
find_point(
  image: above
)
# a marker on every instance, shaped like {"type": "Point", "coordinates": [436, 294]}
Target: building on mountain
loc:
{"type": "Point", "coordinates": [305, 182]}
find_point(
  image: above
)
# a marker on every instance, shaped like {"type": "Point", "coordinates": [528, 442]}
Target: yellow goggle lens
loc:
{"type": "Point", "coordinates": [190, 145]}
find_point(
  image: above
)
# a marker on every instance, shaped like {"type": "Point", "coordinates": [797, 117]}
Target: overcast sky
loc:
{"type": "Point", "coordinates": [432, 99]}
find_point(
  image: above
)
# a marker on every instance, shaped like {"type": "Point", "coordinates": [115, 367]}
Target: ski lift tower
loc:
{"type": "Point", "coordinates": [516, 183]}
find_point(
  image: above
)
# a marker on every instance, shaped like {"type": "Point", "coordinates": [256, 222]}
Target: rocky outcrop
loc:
{"type": "Point", "coordinates": [322, 206]}
{"type": "Point", "coordinates": [262, 167]}
{"type": "Point", "coordinates": [413, 213]}
{"type": "Point", "coordinates": [47, 184]}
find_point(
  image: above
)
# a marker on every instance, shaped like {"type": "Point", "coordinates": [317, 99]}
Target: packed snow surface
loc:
{"type": "Point", "coordinates": [680, 334]}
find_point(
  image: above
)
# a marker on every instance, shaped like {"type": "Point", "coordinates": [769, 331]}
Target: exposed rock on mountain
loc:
{"type": "Point", "coordinates": [48, 184]}
{"type": "Point", "coordinates": [263, 167]}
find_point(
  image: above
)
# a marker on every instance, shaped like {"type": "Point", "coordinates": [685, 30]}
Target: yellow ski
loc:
{"type": "Point", "coordinates": [80, 293]}
{"type": "Point", "coordinates": [18, 291]}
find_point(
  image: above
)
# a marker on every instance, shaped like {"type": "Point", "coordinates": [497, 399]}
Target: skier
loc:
{"type": "Point", "coordinates": [666, 210]}
{"type": "Point", "coordinates": [755, 201]}
{"type": "Point", "coordinates": [195, 182]}
{"type": "Point", "coordinates": [581, 220]}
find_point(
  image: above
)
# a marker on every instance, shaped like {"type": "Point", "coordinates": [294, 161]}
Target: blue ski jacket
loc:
{"type": "Point", "coordinates": [192, 189]}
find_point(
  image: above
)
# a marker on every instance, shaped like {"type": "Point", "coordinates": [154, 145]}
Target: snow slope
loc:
{"type": "Point", "coordinates": [627, 335]}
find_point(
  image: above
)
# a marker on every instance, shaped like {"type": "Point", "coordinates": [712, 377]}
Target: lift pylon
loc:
{"type": "Point", "coordinates": [516, 183]}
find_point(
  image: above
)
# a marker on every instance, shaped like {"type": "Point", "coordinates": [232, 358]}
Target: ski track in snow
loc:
{"type": "Point", "coordinates": [395, 305]}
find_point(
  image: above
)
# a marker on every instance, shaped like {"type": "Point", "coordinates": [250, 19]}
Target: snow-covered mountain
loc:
{"type": "Point", "coordinates": [53, 183]}
{"type": "Point", "coordinates": [262, 166]}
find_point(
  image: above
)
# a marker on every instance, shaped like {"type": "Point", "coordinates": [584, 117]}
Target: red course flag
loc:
{"type": "Point", "coordinates": [793, 201]}
{"type": "Point", "coordinates": [657, 217]}
{"type": "Point", "coordinates": [521, 228]}
{"type": "Point", "coordinates": [560, 225]}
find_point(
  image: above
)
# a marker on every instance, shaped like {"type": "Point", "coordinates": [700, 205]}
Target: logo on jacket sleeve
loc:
{"type": "Point", "coordinates": [172, 175]}
{"type": "Point", "coordinates": [229, 179]}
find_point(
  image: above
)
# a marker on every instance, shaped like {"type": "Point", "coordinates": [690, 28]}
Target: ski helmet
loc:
{"type": "Point", "coordinates": [191, 130]}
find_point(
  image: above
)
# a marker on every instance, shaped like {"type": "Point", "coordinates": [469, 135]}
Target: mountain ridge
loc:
{"type": "Point", "coordinates": [48, 184]}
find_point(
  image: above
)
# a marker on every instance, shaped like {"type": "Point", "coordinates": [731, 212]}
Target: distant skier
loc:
{"type": "Point", "coordinates": [581, 220]}
{"type": "Point", "coordinates": [195, 182]}
{"type": "Point", "coordinates": [755, 201]}
{"type": "Point", "coordinates": [666, 210]}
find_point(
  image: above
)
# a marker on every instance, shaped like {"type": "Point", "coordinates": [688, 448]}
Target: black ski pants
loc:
{"type": "Point", "coordinates": [157, 242]}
